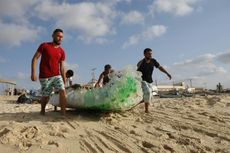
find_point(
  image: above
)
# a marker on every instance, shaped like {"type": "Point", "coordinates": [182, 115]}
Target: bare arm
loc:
{"type": "Point", "coordinates": [163, 70]}
{"type": "Point", "coordinates": [62, 69]}
{"type": "Point", "coordinates": [33, 66]}
{"type": "Point", "coordinates": [70, 82]}
{"type": "Point", "coordinates": [99, 80]}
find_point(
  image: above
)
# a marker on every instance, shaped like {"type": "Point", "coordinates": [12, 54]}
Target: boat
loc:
{"type": "Point", "coordinates": [123, 92]}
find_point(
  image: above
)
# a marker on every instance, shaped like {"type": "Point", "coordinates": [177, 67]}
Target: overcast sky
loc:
{"type": "Point", "coordinates": [190, 38]}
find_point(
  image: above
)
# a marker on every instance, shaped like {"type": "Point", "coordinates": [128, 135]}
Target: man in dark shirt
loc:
{"type": "Point", "coordinates": [146, 67]}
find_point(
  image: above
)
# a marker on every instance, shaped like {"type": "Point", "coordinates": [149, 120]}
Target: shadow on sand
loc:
{"type": "Point", "coordinates": [54, 116]}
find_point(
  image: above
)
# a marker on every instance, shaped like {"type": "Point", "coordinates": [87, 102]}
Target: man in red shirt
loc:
{"type": "Point", "coordinates": [51, 70]}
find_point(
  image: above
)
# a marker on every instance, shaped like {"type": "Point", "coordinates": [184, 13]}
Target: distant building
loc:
{"type": "Point", "coordinates": [175, 86]}
{"type": "Point", "coordinates": [7, 87]}
{"type": "Point", "coordinates": [180, 86]}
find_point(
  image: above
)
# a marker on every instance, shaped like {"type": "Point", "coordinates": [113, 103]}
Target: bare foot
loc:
{"type": "Point", "coordinates": [63, 113]}
{"type": "Point", "coordinates": [55, 108]}
{"type": "Point", "coordinates": [42, 112]}
{"type": "Point", "coordinates": [63, 117]}
{"type": "Point", "coordinates": [141, 101]}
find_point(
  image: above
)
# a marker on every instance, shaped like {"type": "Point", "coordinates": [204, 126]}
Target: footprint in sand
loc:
{"type": "Point", "coordinates": [212, 101]}
{"type": "Point", "coordinates": [21, 137]}
{"type": "Point", "coordinates": [30, 132]}
{"type": "Point", "coordinates": [53, 143]}
{"type": "Point", "coordinates": [4, 132]}
{"type": "Point", "coordinates": [59, 131]}
{"type": "Point", "coordinates": [169, 148]}
{"type": "Point", "coordinates": [58, 134]}
{"type": "Point", "coordinates": [147, 144]}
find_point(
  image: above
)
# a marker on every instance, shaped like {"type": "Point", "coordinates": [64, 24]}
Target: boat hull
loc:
{"type": "Point", "coordinates": [122, 93]}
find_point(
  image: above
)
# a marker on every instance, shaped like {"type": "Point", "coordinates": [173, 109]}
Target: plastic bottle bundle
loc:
{"type": "Point", "coordinates": [75, 97]}
{"type": "Point", "coordinates": [95, 97]}
{"type": "Point", "coordinates": [121, 93]}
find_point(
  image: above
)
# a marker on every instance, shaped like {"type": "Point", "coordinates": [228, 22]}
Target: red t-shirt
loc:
{"type": "Point", "coordinates": [50, 60]}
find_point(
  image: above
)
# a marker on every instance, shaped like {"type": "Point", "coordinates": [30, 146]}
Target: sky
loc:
{"type": "Point", "coordinates": [189, 38]}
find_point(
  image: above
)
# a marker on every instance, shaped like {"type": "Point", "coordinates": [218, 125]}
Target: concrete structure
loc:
{"type": "Point", "coordinates": [175, 86]}
{"type": "Point", "coordinates": [7, 87]}
{"type": "Point", "coordinates": [180, 86]}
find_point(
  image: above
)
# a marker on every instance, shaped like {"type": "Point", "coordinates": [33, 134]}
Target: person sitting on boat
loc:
{"type": "Point", "coordinates": [104, 76]}
{"type": "Point", "coordinates": [69, 78]}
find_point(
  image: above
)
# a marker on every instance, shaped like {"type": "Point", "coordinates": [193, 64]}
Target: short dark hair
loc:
{"type": "Point", "coordinates": [69, 73]}
{"type": "Point", "coordinates": [58, 30]}
{"type": "Point", "coordinates": [107, 66]}
{"type": "Point", "coordinates": [147, 50]}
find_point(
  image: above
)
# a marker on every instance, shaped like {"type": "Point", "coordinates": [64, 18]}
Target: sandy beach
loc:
{"type": "Point", "coordinates": [199, 124]}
